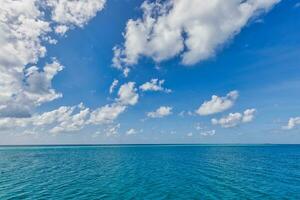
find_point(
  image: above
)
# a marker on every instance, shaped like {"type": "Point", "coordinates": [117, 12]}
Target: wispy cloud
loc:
{"type": "Point", "coordinates": [113, 86]}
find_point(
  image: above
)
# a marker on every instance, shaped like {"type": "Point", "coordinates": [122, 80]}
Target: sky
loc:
{"type": "Point", "coordinates": [109, 71]}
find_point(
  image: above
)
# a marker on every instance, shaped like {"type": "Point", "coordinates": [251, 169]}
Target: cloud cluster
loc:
{"type": "Point", "coordinates": [112, 130]}
{"type": "Point", "coordinates": [292, 123]}
{"type": "Point", "coordinates": [25, 29]}
{"type": "Point", "coordinates": [155, 85]}
{"type": "Point", "coordinates": [204, 131]}
{"type": "Point", "coordinates": [234, 119]}
{"type": "Point", "coordinates": [218, 104]}
{"type": "Point", "coordinates": [193, 29]}
{"type": "Point", "coordinates": [161, 112]}
{"type": "Point", "coordinates": [64, 118]}
{"type": "Point", "coordinates": [68, 120]}
{"type": "Point", "coordinates": [74, 118]}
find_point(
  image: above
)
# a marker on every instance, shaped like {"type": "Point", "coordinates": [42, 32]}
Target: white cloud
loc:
{"type": "Point", "coordinates": [208, 133]}
{"type": "Point", "coordinates": [186, 113]}
{"type": "Point", "coordinates": [292, 123]}
{"type": "Point", "coordinates": [234, 119]}
{"type": "Point", "coordinates": [61, 29]}
{"type": "Point", "coordinates": [75, 12]}
{"type": "Point", "coordinates": [131, 132]}
{"type": "Point", "coordinates": [34, 89]}
{"type": "Point", "coordinates": [73, 122]}
{"type": "Point", "coordinates": [107, 113]}
{"type": "Point", "coordinates": [190, 134]}
{"type": "Point", "coordinates": [204, 130]}
{"type": "Point", "coordinates": [55, 116]}
{"type": "Point", "coordinates": [193, 29]}
{"type": "Point", "coordinates": [75, 118]}
{"type": "Point", "coordinates": [162, 111]}
{"type": "Point", "coordinates": [218, 104]}
{"type": "Point", "coordinates": [21, 31]}
{"type": "Point", "coordinates": [112, 130]}
{"type": "Point", "coordinates": [248, 115]}
{"type": "Point", "coordinates": [63, 119]}
{"type": "Point", "coordinates": [38, 86]}
{"type": "Point", "coordinates": [113, 86]}
{"type": "Point", "coordinates": [154, 85]}
{"type": "Point", "coordinates": [199, 127]}
{"type": "Point", "coordinates": [24, 31]}
{"type": "Point", "coordinates": [126, 71]}
{"type": "Point", "coordinates": [109, 130]}
{"type": "Point", "coordinates": [128, 94]}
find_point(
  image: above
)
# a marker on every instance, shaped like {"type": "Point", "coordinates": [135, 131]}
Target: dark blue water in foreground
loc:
{"type": "Point", "coordinates": [150, 172]}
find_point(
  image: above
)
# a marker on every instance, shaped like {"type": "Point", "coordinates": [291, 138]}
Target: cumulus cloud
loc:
{"type": "Point", "coordinates": [21, 33]}
{"type": "Point", "coordinates": [161, 112]}
{"type": "Point", "coordinates": [34, 89]}
{"type": "Point", "coordinates": [248, 115]}
{"type": "Point", "coordinates": [127, 95]}
{"type": "Point", "coordinates": [38, 85]}
{"type": "Point", "coordinates": [73, 122]}
{"type": "Point", "coordinates": [24, 31]}
{"type": "Point", "coordinates": [218, 104]}
{"type": "Point", "coordinates": [75, 12]}
{"type": "Point", "coordinates": [193, 29]}
{"type": "Point", "coordinates": [107, 113]}
{"type": "Point", "coordinates": [292, 123]}
{"type": "Point", "coordinates": [234, 119]}
{"type": "Point", "coordinates": [62, 119]}
{"type": "Point", "coordinates": [154, 85]}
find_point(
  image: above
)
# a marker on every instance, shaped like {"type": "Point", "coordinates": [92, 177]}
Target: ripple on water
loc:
{"type": "Point", "coordinates": [151, 172]}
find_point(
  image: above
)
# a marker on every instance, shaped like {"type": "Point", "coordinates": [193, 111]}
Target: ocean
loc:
{"type": "Point", "coordinates": [150, 172]}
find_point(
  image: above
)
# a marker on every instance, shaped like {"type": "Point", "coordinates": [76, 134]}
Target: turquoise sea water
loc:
{"type": "Point", "coordinates": [150, 172]}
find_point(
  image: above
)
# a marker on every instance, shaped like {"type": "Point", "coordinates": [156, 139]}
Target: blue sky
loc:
{"type": "Point", "coordinates": [248, 60]}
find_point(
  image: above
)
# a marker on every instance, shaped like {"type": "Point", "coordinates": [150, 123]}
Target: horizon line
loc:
{"type": "Point", "coordinates": [149, 144]}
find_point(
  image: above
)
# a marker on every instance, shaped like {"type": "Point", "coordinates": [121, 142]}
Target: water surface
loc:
{"type": "Point", "coordinates": [150, 172]}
